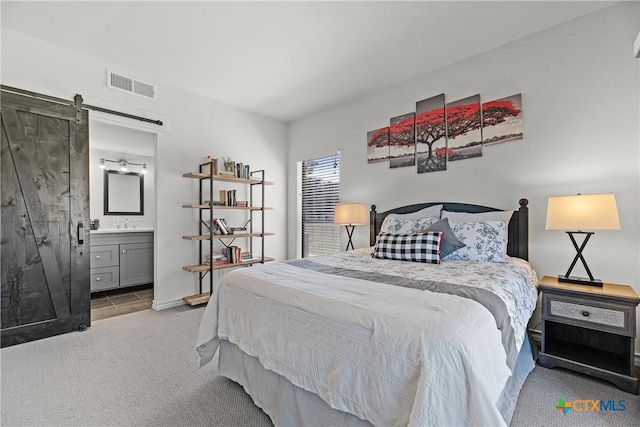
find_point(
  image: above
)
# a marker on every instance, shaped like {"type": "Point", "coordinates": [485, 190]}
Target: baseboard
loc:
{"type": "Point", "coordinates": [536, 336]}
{"type": "Point", "coordinates": [168, 304]}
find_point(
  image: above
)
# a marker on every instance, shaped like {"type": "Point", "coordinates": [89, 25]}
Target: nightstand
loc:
{"type": "Point", "coordinates": [590, 330]}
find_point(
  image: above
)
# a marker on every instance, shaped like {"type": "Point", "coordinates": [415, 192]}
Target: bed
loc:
{"type": "Point", "coordinates": [357, 338]}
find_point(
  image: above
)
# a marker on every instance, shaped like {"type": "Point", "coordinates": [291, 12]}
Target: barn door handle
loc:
{"type": "Point", "coordinates": [80, 233]}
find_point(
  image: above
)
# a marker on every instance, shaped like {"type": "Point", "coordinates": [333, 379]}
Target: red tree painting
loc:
{"type": "Point", "coordinates": [431, 132]}
{"type": "Point", "coordinates": [464, 132]}
{"type": "Point", "coordinates": [402, 151]}
{"type": "Point", "coordinates": [378, 145]}
{"type": "Point", "coordinates": [502, 120]}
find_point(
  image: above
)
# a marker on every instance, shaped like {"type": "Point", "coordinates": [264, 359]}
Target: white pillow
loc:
{"type": "Point", "coordinates": [485, 241]}
{"type": "Point", "coordinates": [394, 224]}
{"type": "Point", "coordinates": [504, 216]}
{"type": "Point", "coordinates": [422, 213]}
{"type": "Point", "coordinates": [430, 212]}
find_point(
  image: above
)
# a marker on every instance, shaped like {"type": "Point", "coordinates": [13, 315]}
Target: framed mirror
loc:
{"type": "Point", "coordinates": [123, 193]}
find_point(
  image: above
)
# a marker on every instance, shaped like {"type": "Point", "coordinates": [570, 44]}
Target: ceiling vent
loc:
{"type": "Point", "coordinates": [128, 84]}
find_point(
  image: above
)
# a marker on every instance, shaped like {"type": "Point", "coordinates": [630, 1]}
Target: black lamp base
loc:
{"type": "Point", "coordinates": [580, 280]}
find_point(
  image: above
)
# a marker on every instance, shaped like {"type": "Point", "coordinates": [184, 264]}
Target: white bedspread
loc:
{"type": "Point", "coordinates": [390, 355]}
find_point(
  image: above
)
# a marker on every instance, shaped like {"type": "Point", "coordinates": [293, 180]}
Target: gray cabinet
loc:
{"type": "Point", "coordinates": [121, 259]}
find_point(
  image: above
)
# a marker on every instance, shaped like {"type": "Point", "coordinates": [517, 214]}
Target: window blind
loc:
{"type": "Point", "coordinates": [318, 195]}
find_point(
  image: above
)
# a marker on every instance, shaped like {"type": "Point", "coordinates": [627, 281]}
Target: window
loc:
{"type": "Point", "coordinates": [318, 195]}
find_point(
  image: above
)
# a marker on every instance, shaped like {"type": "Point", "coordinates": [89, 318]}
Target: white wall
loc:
{"type": "Point", "coordinates": [579, 85]}
{"type": "Point", "coordinates": [195, 127]}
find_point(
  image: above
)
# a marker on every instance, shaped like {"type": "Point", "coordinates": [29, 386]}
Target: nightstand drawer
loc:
{"type": "Point", "coordinates": [589, 314]}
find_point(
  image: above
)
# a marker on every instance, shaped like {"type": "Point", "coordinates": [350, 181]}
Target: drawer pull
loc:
{"type": "Point", "coordinates": [98, 279]}
{"type": "Point", "coordinates": [97, 256]}
{"type": "Point", "coordinates": [585, 313]}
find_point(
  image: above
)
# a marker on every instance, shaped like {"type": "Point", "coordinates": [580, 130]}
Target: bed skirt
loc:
{"type": "Point", "coordinates": [289, 405]}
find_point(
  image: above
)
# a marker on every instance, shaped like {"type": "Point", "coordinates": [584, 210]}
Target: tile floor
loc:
{"type": "Point", "coordinates": [107, 304]}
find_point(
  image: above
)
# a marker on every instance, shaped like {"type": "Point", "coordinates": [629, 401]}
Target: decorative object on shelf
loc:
{"type": "Point", "coordinates": [575, 214]}
{"type": "Point", "coordinates": [350, 215]}
{"type": "Point", "coordinates": [123, 165]}
{"type": "Point", "coordinates": [229, 166]}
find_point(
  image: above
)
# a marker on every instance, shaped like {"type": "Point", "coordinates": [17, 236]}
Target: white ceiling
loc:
{"type": "Point", "coordinates": [285, 60]}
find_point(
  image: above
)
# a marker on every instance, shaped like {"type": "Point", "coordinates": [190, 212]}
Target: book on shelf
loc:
{"type": "Point", "coordinates": [217, 258]}
{"type": "Point", "coordinates": [248, 256]}
{"type": "Point", "coordinates": [211, 164]}
{"type": "Point", "coordinates": [242, 203]}
{"type": "Point", "coordinates": [226, 173]}
{"type": "Point", "coordinates": [233, 254]}
{"type": "Point", "coordinates": [227, 197]}
{"type": "Point", "coordinates": [213, 203]}
{"type": "Point", "coordinates": [213, 226]}
{"type": "Point", "coordinates": [223, 226]}
{"type": "Point", "coordinates": [238, 229]}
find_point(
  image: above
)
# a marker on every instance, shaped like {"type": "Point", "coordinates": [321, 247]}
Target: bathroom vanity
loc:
{"type": "Point", "coordinates": [121, 258]}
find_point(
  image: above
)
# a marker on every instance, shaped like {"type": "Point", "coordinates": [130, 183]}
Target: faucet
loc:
{"type": "Point", "coordinates": [126, 223]}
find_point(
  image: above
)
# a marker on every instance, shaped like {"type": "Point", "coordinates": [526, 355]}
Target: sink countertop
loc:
{"type": "Point", "coordinates": [121, 230]}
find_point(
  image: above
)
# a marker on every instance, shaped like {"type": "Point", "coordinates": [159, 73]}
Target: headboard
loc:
{"type": "Point", "coordinates": [518, 234]}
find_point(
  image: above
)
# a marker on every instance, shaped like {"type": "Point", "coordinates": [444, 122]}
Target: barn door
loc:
{"type": "Point", "coordinates": [44, 161]}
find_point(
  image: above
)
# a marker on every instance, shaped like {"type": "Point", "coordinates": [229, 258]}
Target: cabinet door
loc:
{"type": "Point", "coordinates": [44, 161]}
{"type": "Point", "coordinates": [136, 264]}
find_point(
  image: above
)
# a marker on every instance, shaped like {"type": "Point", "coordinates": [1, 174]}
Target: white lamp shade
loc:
{"type": "Point", "coordinates": [583, 212]}
{"type": "Point", "coordinates": [351, 214]}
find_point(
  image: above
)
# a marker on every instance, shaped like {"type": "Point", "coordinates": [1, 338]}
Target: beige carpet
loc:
{"type": "Point", "coordinates": [139, 369]}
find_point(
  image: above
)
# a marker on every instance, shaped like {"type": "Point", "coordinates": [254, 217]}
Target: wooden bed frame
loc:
{"type": "Point", "coordinates": [518, 234]}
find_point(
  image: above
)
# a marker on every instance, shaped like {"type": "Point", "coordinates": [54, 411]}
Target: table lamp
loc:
{"type": "Point", "coordinates": [582, 214]}
{"type": "Point", "coordinates": [350, 215]}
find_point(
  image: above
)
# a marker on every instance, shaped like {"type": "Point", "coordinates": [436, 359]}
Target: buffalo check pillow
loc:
{"type": "Point", "coordinates": [420, 247]}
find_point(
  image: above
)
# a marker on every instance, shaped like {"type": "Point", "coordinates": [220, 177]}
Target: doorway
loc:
{"type": "Point", "coordinates": [122, 243]}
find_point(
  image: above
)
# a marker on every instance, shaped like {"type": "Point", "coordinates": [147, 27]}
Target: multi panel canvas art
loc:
{"type": "Point", "coordinates": [378, 145]}
{"type": "Point", "coordinates": [402, 144]}
{"type": "Point", "coordinates": [438, 133]}
{"type": "Point", "coordinates": [464, 131]}
{"type": "Point", "coordinates": [431, 135]}
{"type": "Point", "coordinates": [502, 120]}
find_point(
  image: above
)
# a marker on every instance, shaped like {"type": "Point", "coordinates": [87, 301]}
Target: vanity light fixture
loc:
{"type": "Point", "coordinates": [123, 164]}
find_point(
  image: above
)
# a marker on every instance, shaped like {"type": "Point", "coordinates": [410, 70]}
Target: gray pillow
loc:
{"type": "Point", "coordinates": [450, 243]}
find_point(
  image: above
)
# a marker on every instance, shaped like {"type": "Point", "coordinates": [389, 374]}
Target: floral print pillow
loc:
{"type": "Point", "coordinates": [393, 224]}
{"type": "Point", "coordinates": [485, 241]}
